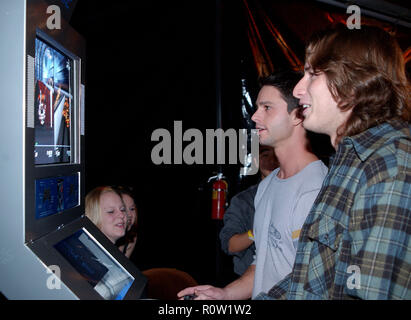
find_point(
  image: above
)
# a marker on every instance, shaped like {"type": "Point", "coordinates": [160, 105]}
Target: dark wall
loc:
{"type": "Point", "coordinates": [150, 64]}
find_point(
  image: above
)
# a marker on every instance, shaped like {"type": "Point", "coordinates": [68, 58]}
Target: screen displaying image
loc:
{"type": "Point", "coordinates": [100, 270]}
{"type": "Point", "coordinates": [53, 105]}
{"type": "Point", "coordinates": [57, 194]}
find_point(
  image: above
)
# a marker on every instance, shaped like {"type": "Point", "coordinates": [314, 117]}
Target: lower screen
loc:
{"type": "Point", "coordinates": [95, 265]}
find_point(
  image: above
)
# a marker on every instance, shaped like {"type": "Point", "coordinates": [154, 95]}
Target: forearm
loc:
{"type": "Point", "coordinates": [242, 288]}
{"type": "Point", "coordinates": [239, 242]}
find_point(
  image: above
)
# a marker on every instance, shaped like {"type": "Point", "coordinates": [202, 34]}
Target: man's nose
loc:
{"type": "Point", "coordinates": [255, 116]}
{"type": "Point", "coordinates": [300, 88]}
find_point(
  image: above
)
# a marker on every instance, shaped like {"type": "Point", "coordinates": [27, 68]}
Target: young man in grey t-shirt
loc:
{"type": "Point", "coordinates": [283, 200]}
{"type": "Point", "coordinates": [282, 206]}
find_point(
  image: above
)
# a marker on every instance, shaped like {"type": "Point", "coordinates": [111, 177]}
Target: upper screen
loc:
{"type": "Point", "coordinates": [53, 105]}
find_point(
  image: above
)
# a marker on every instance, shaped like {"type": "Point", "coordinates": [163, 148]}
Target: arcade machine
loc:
{"type": "Point", "coordinates": [48, 248]}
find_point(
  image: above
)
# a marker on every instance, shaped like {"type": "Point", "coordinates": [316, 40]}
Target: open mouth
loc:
{"type": "Point", "coordinates": [121, 225]}
{"type": "Point", "coordinates": [305, 108]}
{"type": "Point", "coordinates": [259, 130]}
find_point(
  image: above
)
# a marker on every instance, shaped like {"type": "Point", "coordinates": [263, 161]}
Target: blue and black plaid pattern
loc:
{"type": "Point", "coordinates": [355, 242]}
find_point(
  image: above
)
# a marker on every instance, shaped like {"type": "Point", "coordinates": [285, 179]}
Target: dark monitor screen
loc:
{"type": "Point", "coordinates": [56, 194]}
{"type": "Point", "coordinates": [54, 97]}
{"type": "Point", "coordinates": [96, 265]}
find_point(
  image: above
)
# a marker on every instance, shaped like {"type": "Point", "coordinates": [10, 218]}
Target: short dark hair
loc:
{"type": "Point", "coordinates": [284, 81]}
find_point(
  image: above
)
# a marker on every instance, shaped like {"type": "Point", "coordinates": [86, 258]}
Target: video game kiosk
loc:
{"type": "Point", "coordinates": [48, 248]}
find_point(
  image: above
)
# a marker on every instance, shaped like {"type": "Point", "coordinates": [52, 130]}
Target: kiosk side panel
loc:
{"type": "Point", "coordinates": [14, 255]}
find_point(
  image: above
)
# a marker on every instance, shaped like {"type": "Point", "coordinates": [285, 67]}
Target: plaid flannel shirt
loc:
{"type": "Point", "coordinates": [355, 242]}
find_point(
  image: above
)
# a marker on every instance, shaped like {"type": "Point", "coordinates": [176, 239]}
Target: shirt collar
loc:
{"type": "Point", "coordinates": [370, 140]}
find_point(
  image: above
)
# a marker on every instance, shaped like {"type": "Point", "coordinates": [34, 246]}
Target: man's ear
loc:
{"type": "Point", "coordinates": [296, 117]}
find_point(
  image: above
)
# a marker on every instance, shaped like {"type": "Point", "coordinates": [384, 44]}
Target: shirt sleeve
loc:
{"type": "Point", "coordinates": [380, 247]}
{"type": "Point", "coordinates": [237, 219]}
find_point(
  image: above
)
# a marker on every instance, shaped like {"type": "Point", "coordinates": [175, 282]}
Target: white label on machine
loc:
{"type": "Point", "coordinates": [82, 95]}
{"type": "Point", "coordinates": [30, 92]}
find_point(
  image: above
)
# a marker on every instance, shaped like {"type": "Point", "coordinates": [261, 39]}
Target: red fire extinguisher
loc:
{"type": "Point", "coordinates": [219, 196]}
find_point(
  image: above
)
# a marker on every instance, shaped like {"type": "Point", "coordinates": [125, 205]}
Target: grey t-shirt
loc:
{"type": "Point", "coordinates": [282, 205]}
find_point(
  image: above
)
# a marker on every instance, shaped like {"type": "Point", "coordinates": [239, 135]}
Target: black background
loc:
{"type": "Point", "coordinates": [149, 64]}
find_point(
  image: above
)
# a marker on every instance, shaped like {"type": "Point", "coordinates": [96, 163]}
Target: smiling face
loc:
{"type": "Point", "coordinates": [321, 113]}
{"type": "Point", "coordinates": [273, 122]}
{"type": "Point", "coordinates": [113, 216]}
{"type": "Point", "coordinates": [131, 210]}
